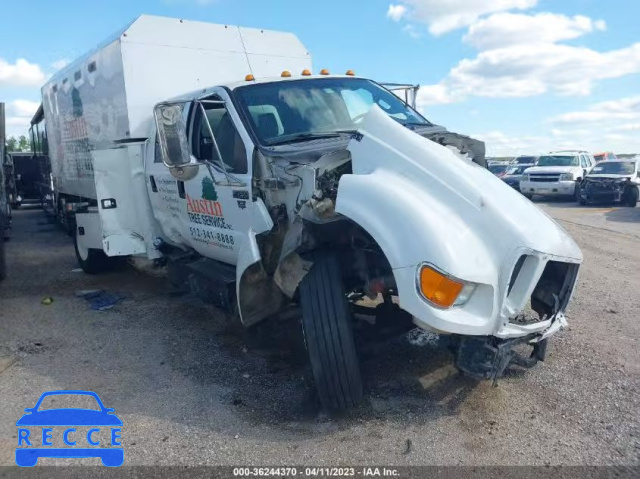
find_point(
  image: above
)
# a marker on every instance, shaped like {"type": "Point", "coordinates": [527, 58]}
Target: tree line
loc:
{"type": "Point", "coordinates": [18, 144]}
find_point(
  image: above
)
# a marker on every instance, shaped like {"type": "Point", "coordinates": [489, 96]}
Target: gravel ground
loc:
{"type": "Point", "coordinates": [191, 391]}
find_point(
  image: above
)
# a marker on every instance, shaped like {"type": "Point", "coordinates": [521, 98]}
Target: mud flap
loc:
{"type": "Point", "coordinates": [118, 208]}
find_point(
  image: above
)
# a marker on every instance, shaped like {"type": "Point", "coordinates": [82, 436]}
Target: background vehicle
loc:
{"type": "Point", "coordinates": [557, 173]}
{"type": "Point", "coordinates": [513, 174]}
{"type": "Point", "coordinates": [289, 188]}
{"type": "Point", "coordinates": [498, 169]}
{"type": "Point", "coordinates": [525, 160]}
{"type": "Point", "coordinates": [606, 156]}
{"type": "Point", "coordinates": [612, 181]}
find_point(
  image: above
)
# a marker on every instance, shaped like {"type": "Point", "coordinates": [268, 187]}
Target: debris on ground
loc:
{"type": "Point", "coordinates": [47, 300]}
{"type": "Point", "coordinates": [100, 300]}
{"type": "Point", "coordinates": [420, 337]}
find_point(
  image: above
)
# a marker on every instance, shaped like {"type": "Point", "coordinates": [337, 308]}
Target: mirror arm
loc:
{"type": "Point", "coordinates": [231, 180]}
{"type": "Point", "coordinates": [213, 138]}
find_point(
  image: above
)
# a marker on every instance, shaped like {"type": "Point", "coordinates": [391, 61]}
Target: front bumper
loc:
{"type": "Point", "coordinates": [605, 192]}
{"type": "Point", "coordinates": [505, 310]}
{"type": "Point", "coordinates": [552, 188]}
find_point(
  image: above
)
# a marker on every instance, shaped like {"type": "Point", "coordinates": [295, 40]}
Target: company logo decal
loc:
{"type": "Point", "coordinates": [207, 211]}
{"type": "Point", "coordinates": [69, 432]}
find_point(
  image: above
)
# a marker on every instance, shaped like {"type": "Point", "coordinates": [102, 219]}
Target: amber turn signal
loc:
{"type": "Point", "coordinates": [438, 288]}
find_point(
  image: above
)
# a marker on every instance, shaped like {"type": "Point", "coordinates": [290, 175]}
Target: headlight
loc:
{"type": "Point", "coordinates": [566, 177]}
{"type": "Point", "coordinates": [441, 289]}
{"type": "Point", "coordinates": [524, 177]}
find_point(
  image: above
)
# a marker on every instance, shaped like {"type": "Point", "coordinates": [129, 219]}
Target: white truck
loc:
{"type": "Point", "coordinates": [268, 186]}
{"type": "Point", "coordinates": [558, 173]}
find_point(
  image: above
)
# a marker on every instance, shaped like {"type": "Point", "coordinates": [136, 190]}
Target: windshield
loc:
{"type": "Point", "coordinates": [558, 160]}
{"type": "Point", "coordinates": [287, 111]}
{"type": "Point", "coordinates": [517, 169]}
{"type": "Point", "coordinates": [496, 169]}
{"type": "Point", "coordinates": [614, 168]}
{"type": "Point", "coordinates": [526, 160]}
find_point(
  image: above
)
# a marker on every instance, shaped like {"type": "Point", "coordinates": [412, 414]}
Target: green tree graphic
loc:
{"type": "Point", "coordinates": [209, 190]}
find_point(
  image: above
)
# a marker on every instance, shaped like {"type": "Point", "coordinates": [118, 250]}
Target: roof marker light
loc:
{"type": "Point", "coordinates": [249, 78]}
{"type": "Point", "coordinates": [306, 72]}
{"type": "Point", "coordinates": [286, 74]}
{"type": "Point", "coordinates": [324, 71]}
{"type": "Point", "coordinates": [351, 73]}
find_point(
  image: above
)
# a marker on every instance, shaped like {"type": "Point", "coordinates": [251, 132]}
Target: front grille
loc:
{"type": "Point", "coordinates": [551, 293]}
{"type": "Point", "coordinates": [544, 177]}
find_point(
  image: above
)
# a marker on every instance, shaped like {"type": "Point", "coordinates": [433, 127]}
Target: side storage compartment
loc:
{"type": "Point", "coordinates": [123, 205]}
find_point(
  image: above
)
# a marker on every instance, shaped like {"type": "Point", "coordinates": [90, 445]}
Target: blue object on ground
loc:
{"type": "Point", "coordinates": [101, 300]}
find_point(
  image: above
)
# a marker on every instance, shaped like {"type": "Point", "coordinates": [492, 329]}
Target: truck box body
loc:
{"type": "Point", "coordinates": [107, 96]}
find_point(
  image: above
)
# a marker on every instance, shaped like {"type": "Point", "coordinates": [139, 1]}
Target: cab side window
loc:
{"type": "Point", "coordinates": [583, 161]}
{"type": "Point", "coordinates": [230, 144]}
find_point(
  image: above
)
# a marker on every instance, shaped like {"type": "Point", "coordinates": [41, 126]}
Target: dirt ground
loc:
{"type": "Point", "coordinates": [191, 391]}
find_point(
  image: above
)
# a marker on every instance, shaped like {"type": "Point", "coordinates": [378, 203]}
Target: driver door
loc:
{"type": "Point", "coordinates": [217, 200]}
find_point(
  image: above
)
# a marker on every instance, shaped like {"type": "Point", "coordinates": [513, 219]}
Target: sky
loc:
{"type": "Point", "coordinates": [525, 76]}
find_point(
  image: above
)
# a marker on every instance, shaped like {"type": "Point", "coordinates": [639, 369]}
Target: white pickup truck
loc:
{"type": "Point", "coordinates": [277, 187]}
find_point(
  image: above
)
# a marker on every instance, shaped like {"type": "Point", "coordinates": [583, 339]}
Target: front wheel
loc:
{"type": "Point", "coordinates": [576, 191]}
{"type": "Point", "coordinates": [92, 261]}
{"type": "Point", "coordinates": [328, 332]}
{"type": "Point", "coordinates": [631, 197]}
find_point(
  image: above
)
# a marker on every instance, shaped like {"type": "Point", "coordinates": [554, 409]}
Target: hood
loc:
{"type": "Point", "coordinates": [551, 169]}
{"type": "Point", "coordinates": [608, 177]}
{"type": "Point", "coordinates": [441, 190]}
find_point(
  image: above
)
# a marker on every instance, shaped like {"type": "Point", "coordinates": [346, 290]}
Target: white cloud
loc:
{"type": "Point", "coordinates": [396, 12]}
{"type": "Point", "coordinates": [517, 29]}
{"type": "Point", "coordinates": [520, 57]}
{"type": "Point", "coordinates": [21, 73]}
{"type": "Point", "coordinates": [603, 126]}
{"type": "Point", "coordinates": [412, 31]}
{"type": "Point", "coordinates": [606, 112]}
{"type": "Point", "coordinates": [19, 114]}
{"type": "Point", "coordinates": [60, 64]}
{"type": "Point", "coordinates": [442, 16]}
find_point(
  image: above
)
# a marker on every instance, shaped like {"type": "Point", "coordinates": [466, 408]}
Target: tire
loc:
{"type": "Point", "coordinates": [92, 261]}
{"type": "Point", "coordinates": [631, 197]}
{"type": "Point", "coordinates": [576, 192]}
{"type": "Point", "coordinates": [328, 333]}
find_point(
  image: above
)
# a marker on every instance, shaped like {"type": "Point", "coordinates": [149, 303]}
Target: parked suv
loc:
{"type": "Point", "coordinates": [612, 181]}
{"type": "Point", "coordinates": [558, 173]}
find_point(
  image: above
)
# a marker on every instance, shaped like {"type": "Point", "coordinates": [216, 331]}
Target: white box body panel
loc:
{"type": "Point", "coordinates": [107, 96]}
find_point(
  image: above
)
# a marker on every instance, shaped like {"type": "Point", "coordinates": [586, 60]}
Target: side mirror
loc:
{"type": "Point", "coordinates": [172, 133]}
{"type": "Point", "coordinates": [185, 172]}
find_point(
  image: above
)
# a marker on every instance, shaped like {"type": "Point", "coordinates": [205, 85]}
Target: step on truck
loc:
{"type": "Point", "coordinates": [216, 152]}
